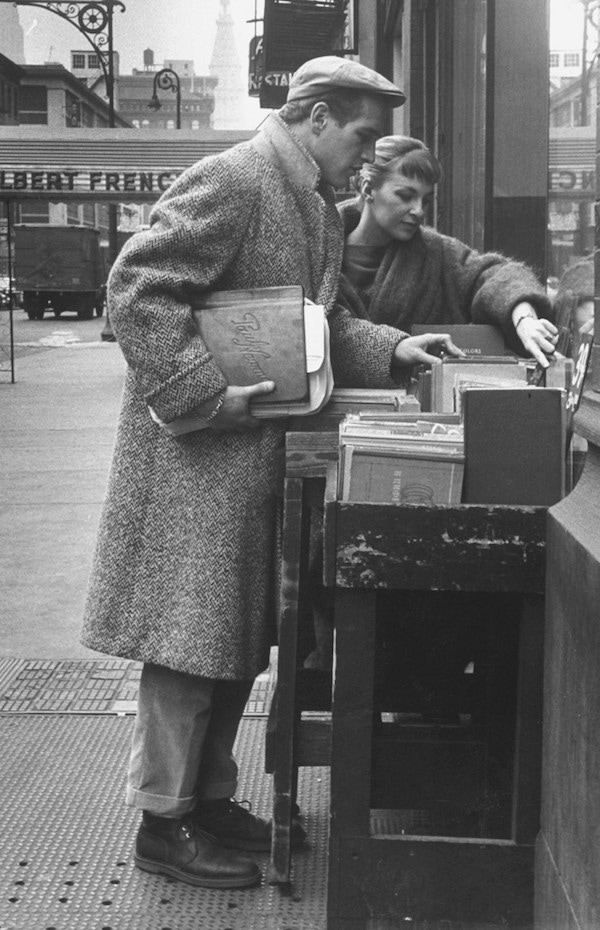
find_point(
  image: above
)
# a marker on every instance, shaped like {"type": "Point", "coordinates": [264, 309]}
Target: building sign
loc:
{"type": "Point", "coordinates": [101, 165]}
{"type": "Point", "coordinates": [256, 82]}
{"type": "Point", "coordinates": [270, 87]}
{"type": "Point", "coordinates": [31, 182]}
{"type": "Point", "coordinates": [579, 179]}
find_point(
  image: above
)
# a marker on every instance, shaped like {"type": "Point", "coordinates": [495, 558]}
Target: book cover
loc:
{"type": "Point", "coordinates": [475, 339]}
{"type": "Point", "coordinates": [318, 366]}
{"type": "Point", "coordinates": [514, 446]}
{"type": "Point", "coordinates": [386, 476]}
{"type": "Point", "coordinates": [257, 335]}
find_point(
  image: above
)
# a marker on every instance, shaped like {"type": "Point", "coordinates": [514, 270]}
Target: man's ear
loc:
{"type": "Point", "coordinates": [319, 117]}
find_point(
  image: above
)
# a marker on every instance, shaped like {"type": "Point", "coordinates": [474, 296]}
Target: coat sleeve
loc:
{"type": "Point", "coordinates": [196, 229]}
{"type": "Point", "coordinates": [361, 351]}
{"type": "Point", "coordinates": [490, 285]}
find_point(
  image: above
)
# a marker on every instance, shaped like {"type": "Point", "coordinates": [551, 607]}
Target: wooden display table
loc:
{"type": "Point", "coordinates": [379, 868]}
{"type": "Point", "coordinates": [401, 875]}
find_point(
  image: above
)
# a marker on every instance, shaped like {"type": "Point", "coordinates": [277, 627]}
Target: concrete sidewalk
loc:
{"type": "Point", "coordinates": [65, 729]}
{"type": "Point", "coordinates": [57, 424]}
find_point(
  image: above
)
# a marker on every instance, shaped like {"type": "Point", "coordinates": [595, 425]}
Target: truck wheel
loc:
{"type": "Point", "coordinates": [34, 306]}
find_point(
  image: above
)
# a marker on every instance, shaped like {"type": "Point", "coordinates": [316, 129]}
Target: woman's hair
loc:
{"type": "Point", "coordinates": [401, 153]}
{"type": "Point", "coordinates": [344, 106]}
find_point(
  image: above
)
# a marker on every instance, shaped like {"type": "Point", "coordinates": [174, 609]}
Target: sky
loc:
{"type": "Point", "coordinates": [174, 29]}
{"type": "Point", "coordinates": [566, 24]}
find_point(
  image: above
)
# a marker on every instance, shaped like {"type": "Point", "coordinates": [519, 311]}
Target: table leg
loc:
{"type": "Point", "coordinates": [283, 715]}
{"type": "Point", "coordinates": [351, 737]}
{"type": "Point", "coordinates": [528, 740]}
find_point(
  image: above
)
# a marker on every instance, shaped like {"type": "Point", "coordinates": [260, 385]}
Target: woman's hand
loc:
{"type": "Point", "coordinates": [538, 337]}
{"type": "Point", "coordinates": [234, 412]}
{"type": "Point", "coordinates": [414, 349]}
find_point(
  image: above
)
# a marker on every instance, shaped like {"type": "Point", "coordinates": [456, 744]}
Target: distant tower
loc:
{"type": "Point", "coordinates": [12, 42]}
{"type": "Point", "coordinates": [231, 92]}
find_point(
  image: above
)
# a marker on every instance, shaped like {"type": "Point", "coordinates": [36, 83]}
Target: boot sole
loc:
{"type": "Point", "coordinates": [160, 868]}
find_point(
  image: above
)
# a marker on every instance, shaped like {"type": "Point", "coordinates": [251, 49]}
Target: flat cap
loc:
{"type": "Point", "coordinates": [328, 73]}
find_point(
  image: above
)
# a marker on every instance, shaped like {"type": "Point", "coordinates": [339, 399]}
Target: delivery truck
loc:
{"type": "Point", "coordinates": [59, 269]}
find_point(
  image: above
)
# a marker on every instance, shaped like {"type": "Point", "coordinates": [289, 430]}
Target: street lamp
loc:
{"type": "Point", "coordinates": [166, 79]}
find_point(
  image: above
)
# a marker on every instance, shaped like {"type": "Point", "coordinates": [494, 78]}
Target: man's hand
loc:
{"type": "Point", "coordinates": [414, 349]}
{"type": "Point", "coordinates": [234, 413]}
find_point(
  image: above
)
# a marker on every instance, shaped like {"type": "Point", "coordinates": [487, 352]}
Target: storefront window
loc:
{"type": "Point", "coordinates": [33, 105]}
{"type": "Point", "coordinates": [469, 121]}
{"type": "Point", "coordinates": [572, 137]}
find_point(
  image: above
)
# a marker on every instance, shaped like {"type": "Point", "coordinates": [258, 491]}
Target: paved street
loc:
{"type": "Point", "coordinates": [57, 423]}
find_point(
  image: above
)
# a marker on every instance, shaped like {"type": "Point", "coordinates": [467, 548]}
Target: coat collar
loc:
{"type": "Point", "coordinates": [277, 143]}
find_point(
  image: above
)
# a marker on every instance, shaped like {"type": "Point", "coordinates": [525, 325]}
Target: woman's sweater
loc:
{"type": "Point", "coordinates": [435, 279]}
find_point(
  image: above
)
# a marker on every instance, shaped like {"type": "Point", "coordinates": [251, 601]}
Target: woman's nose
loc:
{"type": "Point", "coordinates": [418, 209]}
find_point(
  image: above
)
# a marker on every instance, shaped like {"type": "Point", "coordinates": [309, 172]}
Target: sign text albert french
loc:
{"type": "Point", "coordinates": [87, 181]}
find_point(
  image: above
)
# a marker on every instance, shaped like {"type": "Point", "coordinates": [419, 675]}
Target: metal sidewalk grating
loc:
{"type": "Point", "coordinates": [67, 840]}
{"type": "Point", "coordinates": [104, 686]}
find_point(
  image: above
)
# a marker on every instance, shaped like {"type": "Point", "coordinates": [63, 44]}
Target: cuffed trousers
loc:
{"type": "Point", "coordinates": [182, 748]}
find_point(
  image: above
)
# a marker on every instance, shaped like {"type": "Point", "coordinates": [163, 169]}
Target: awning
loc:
{"type": "Point", "coordinates": [110, 165]}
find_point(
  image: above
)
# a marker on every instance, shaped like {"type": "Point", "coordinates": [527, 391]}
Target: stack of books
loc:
{"type": "Point", "coordinates": [452, 376]}
{"type": "Point", "coordinates": [401, 459]}
{"type": "Point", "coordinates": [265, 334]}
{"type": "Point", "coordinates": [371, 400]}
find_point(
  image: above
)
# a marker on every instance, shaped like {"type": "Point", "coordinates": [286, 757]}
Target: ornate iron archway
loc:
{"type": "Point", "coordinates": [94, 20]}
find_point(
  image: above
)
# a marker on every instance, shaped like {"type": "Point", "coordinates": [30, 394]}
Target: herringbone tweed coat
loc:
{"type": "Point", "coordinates": [183, 574]}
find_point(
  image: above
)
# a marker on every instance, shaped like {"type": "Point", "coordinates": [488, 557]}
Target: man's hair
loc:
{"type": "Point", "coordinates": [402, 154]}
{"type": "Point", "coordinates": [344, 106]}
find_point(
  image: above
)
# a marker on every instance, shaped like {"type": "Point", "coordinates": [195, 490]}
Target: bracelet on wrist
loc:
{"type": "Point", "coordinates": [523, 316]}
{"type": "Point", "coordinates": [216, 408]}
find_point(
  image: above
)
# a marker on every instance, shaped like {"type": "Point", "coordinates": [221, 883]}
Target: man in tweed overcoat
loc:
{"type": "Point", "coordinates": [183, 574]}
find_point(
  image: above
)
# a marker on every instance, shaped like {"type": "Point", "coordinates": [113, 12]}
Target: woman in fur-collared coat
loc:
{"type": "Point", "coordinates": [401, 272]}
{"type": "Point", "coordinates": [398, 272]}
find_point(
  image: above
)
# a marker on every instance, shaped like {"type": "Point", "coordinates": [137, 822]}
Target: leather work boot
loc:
{"type": "Point", "coordinates": [235, 827]}
{"type": "Point", "coordinates": [178, 848]}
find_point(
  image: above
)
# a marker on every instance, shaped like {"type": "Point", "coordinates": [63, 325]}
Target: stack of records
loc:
{"type": "Point", "coordinates": [401, 459]}
{"type": "Point", "coordinates": [452, 376]}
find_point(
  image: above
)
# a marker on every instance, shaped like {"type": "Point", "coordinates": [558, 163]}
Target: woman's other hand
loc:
{"type": "Point", "coordinates": [425, 349]}
{"type": "Point", "coordinates": [538, 337]}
